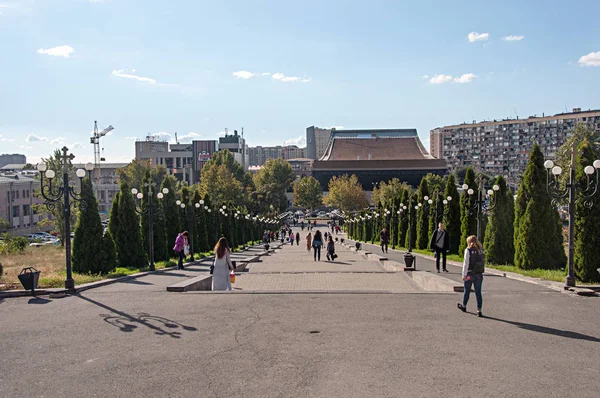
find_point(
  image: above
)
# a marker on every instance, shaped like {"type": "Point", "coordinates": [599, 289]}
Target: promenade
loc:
{"type": "Point", "coordinates": [343, 329]}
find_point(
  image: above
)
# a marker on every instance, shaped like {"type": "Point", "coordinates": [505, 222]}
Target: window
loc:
{"type": "Point", "coordinates": [26, 210]}
{"type": "Point", "coordinates": [15, 211]}
{"type": "Point", "coordinates": [24, 194]}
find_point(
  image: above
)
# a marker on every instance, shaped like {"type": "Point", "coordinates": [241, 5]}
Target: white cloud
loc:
{"type": "Point", "coordinates": [59, 140]}
{"type": "Point", "coordinates": [306, 80]}
{"type": "Point", "coordinates": [281, 77]}
{"type": "Point", "coordinates": [162, 134]}
{"type": "Point", "coordinates": [7, 139]}
{"type": "Point", "coordinates": [440, 79]}
{"type": "Point", "coordinates": [60, 51]}
{"type": "Point", "coordinates": [513, 38]}
{"type": "Point", "coordinates": [334, 127]}
{"type": "Point", "coordinates": [278, 76]}
{"type": "Point", "coordinates": [266, 74]}
{"type": "Point", "coordinates": [221, 134]}
{"type": "Point", "coordinates": [77, 145]}
{"type": "Point", "coordinates": [475, 36]}
{"type": "Point", "coordinates": [591, 59]}
{"type": "Point", "coordinates": [35, 138]}
{"type": "Point", "coordinates": [185, 139]}
{"type": "Point", "coordinates": [131, 138]}
{"type": "Point", "coordinates": [425, 77]}
{"type": "Point", "coordinates": [466, 78]}
{"type": "Point", "coordinates": [120, 73]}
{"type": "Point", "coordinates": [25, 147]}
{"type": "Point", "coordinates": [243, 74]}
{"type": "Point", "coordinates": [300, 141]}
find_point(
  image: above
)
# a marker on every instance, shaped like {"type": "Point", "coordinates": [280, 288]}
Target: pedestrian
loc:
{"type": "Point", "coordinates": [337, 229]}
{"type": "Point", "coordinates": [331, 249]}
{"type": "Point", "coordinates": [302, 225]}
{"type": "Point", "coordinates": [292, 239]}
{"type": "Point", "coordinates": [317, 244]}
{"type": "Point", "coordinates": [180, 247]}
{"type": "Point", "coordinates": [222, 266]}
{"type": "Point", "coordinates": [440, 243]}
{"type": "Point", "coordinates": [315, 223]}
{"type": "Point", "coordinates": [325, 235]}
{"type": "Point", "coordinates": [332, 226]}
{"type": "Point", "coordinates": [472, 272]}
{"type": "Point", "coordinates": [384, 239]}
{"type": "Point", "coordinates": [297, 238]}
{"type": "Point", "coordinates": [308, 241]}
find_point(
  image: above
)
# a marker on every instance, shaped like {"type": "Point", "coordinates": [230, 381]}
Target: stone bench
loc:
{"type": "Point", "coordinates": [203, 282]}
{"type": "Point", "coordinates": [432, 282]}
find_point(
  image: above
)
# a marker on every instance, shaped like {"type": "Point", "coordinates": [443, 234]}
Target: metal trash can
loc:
{"type": "Point", "coordinates": [29, 278]}
{"type": "Point", "coordinates": [410, 261]}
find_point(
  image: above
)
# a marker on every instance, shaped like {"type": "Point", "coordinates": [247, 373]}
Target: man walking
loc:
{"type": "Point", "coordinates": [384, 240]}
{"type": "Point", "coordinates": [440, 243]}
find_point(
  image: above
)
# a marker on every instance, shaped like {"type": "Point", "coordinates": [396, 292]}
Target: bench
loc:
{"type": "Point", "coordinates": [203, 282]}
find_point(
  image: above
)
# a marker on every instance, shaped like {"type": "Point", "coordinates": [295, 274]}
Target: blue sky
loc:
{"type": "Point", "coordinates": [198, 67]}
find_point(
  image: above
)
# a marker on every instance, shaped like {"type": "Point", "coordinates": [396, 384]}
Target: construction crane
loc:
{"type": "Point", "coordinates": [95, 139]}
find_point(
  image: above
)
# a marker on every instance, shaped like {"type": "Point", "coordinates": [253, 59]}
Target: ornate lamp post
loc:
{"type": "Point", "coordinates": [183, 218]}
{"type": "Point", "coordinates": [480, 202]}
{"type": "Point", "coordinates": [409, 258]}
{"type": "Point", "coordinates": [150, 210]}
{"type": "Point", "coordinates": [53, 197]}
{"type": "Point", "coordinates": [558, 194]}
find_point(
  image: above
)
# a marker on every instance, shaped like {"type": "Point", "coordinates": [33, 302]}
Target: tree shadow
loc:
{"type": "Point", "coordinates": [128, 323]}
{"type": "Point", "coordinates": [547, 330]}
{"type": "Point", "coordinates": [136, 282]}
{"type": "Point", "coordinates": [38, 300]}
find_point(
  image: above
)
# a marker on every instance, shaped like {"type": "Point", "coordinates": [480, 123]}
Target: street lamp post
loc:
{"type": "Point", "coordinates": [409, 258]}
{"type": "Point", "coordinates": [558, 193]}
{"type": "Point", "coordinates": [64, 193]}
{"type": "Point", "coordinates": [150, 210]}
{"type": "Point", "coordinates": [482, 197]}
{"type": "Point", "coordinates": [183, 214]}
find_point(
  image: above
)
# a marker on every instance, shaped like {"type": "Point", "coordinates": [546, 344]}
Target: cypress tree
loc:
{"type": "Point", "coordinates": [499, 244]}
{"type": "Point", "coordinates": [210, 223]}
{"type": "Point", "coordinates": [171, 214]}
{"type": "Point", "coordinates": [144, 217]}
{"type": "Point", "coordinates": [587, 225]}
{"type": "Point", "coordinates": [161, 247]}
{"type": "Point", "coordinates": [113, 220]}
{"type": "Point", "coordinates": [396, 222]}
{"type": "Point", "coordinates": [108, 255]}
{"type": "Point", "coordinates": [452, 215]}
{"type": "Point", "coordinates": [468, 215]}
{"type": "Point", "coordinates": [422, 241]}
{"type": "Point", "coordinates": [538, 232]}
{"type": "Point", "coordinates": [403, 224]}
{"type": "Point", "coordinates": [411, 233]}
{"type": "Point", "coordinates": [200, 227]}
{"type": "Point", "coordinates": [89, 244]}
{"type": "Point", "coordinates": [128, 239]}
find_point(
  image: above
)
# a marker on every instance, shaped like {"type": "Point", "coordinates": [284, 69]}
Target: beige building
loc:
{"type": "Point", "coordinates": [16, 203]}
{"type": "Point", "coordinates": [501, 147]}
{"type": "Point", "coordinates": [317, 140]}
{"type": "Point", "coordinates": [259, 155]}
{"type": "Point", "coordinates": [106, 184]}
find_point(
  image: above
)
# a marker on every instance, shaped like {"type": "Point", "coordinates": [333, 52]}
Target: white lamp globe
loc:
{"type": "Point", "coordinates": [597, 164]}
{"type": "Point", "coordinates": [178, 202]}
{"type": "Point", "coordinates": [490, 192]}
{"type": "Point", "coordinates": [182, 205]}
{"type": "Point", "coordinates": [449, 198]}
{"type": "Point", "coordinates": [206, 208]}
{"type": "Point", "coordinates": [42, 166]}
{"type": "Point", "coordinates": [470, 191]}
{"type": "Point", "coordinates": [50, 174]}
{"type": "Point", "coordinates": [556, 170]}
{"type": "Point", "coordinates": [197, 205]}
{"type": "Point", "coordinates": [89, 166]}
{"type": "Point", "coordinates": [548, 164]}
{"type": "Point", "coordinates": [201, 201]}
{"type": "Point", "coordinates": [465, 187]}
{"type": "Point", "coordinates": [426, 198]}
{"type": "Point", "coordinates": [165, 190]}
{"type": "Point", "coordinates": [140, 195]}
{"type": "Point", "coordinates": [430, 201]}
{"type": "Point", "coordinates": [589, 170]}
{"type": "Point", "coordinates": [160, 195]}
{"type": "Point", "coordinates": [496, 188]}
{"type": "Point", "coordinates": [445, 202]}
{"type": "Point", "coordinates": [134, 191]}
{"type": "Point", "coordinates": [80, 173]}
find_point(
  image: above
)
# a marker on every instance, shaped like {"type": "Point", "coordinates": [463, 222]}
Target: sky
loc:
{"type": "Point", "coordinates": [277, 67]}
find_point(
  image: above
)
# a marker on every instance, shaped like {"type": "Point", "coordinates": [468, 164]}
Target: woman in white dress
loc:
{"type": "Point", "coordinates": [223, 266]}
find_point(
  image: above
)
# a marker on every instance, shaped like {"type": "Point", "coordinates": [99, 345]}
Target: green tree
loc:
{"type": "Point", "coordinates": [221, 185]}
{"type": "Point", "coordinates": [422, 241]}
{"type": "Point", "coordinates": [171, 212]}
{"type": "Point", "coordinates": [136, 172]}
{"type": "Point", "coordinates": [4, 224]}
{"type": "Point", "coordinates": [452, 215]}
{"type": "Point", "coordinates": [307, 193]}
{"type": "Point", "coordinates": [113, 218]}
{"type": "Point", "coordinates": [411, 234]}
{"type": "Point", "coordinates": [158, 222]}
{"type": "Point", "coordinates": [130, 249]}
{"type": "Point", "coordinates": [200, 227]}
{"type": "Point", "coordinates": [538, 232]}
{"type": "Point", "coordinates": [89, 244]}
{"type": "Point", "coordinates": [468, 215]}
{"type": "Point", "coordinates": [225, 158]}
{"type": "Point", "coordinates": [159, 229]}
{"type": "Point", "coordinates": [403, 224]}
{"type": "Point", "coordinates": [28, 166]}
{"type": "Point", "coordinates": [499, 241]}
{"type": "Point", "coordinates": [211, 229]}
{"type": "Point", "coordinates": [587, 224]}
{"type": "Point", "coordinates": [346, 193]}
{"type": "Point", "coordinates": [387, 191]}
{"type": "Point", "coordinates": [272, 182]}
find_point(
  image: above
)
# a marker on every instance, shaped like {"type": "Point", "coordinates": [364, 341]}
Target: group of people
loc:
{"type": "Point", "coordinates": [309, 226]}
{"type": "Point", "coordinates": [316, 242]}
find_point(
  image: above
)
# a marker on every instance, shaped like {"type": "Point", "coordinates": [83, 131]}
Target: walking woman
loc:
{"type": "Point", "coordinates": [222, 266]}
{"type": "Point", "coordinates": [384, 239]}
{"type": "Point", "coordinates": [180, 243]}
{"type": "Point", "coordinates": [308, 241]}
{"type": "Point", "coordinates": [331, 249]}
{"type": "Point", "coordinates": [317, 244]}
{"type": "Point", "coordinates": [472, 272]}
{"type": "Point", "coordinates": [297, 238]}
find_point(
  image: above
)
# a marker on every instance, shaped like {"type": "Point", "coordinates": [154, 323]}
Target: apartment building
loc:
{"type": "Point", "coordinates": [259, 155]}
{"type": "Point", "coordinates": [16, 202]}
{"type": "Point", "coordinates": [236, 144]}
{"type": "Point", "coordinates": [14, 159]}
{"type": "Point", "coordinates": [317, 140]}
{"type": "Point", "coordinates": [501, 147]}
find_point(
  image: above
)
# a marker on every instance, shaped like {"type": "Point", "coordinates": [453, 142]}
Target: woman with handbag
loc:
{"type": "Point", "coordinates": [317, 244]}
{"type": "Point", "coordinates": [222, 266]}
{"type": "Point", "coordinates": [181, 243]}
{"type": "Point", "coordinates": [472, 272]}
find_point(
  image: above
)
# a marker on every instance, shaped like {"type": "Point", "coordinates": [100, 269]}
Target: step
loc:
{"type": "Point", "coordinates": [203, 282]}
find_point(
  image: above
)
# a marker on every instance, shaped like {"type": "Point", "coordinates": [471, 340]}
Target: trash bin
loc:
{"type": "Point", "coordinates": [29, 278]}
{"type": "Point", "coordinates": [357, 245]}
{"type": "Point", "coordinates": [410, 260]}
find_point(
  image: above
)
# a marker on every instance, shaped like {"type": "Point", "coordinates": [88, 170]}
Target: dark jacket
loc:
{"type": "Point", "coordinates": [432, 245]}
{"type": "Point", "coordinates": [384, 237]}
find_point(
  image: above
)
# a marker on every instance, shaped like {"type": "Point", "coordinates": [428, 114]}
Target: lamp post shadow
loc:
{"type": "Point", "coordinates": [548, 330]}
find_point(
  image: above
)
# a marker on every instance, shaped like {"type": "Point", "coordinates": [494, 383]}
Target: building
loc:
{"type": "Point", "coordinates": [317, 140]}
{"type": "Point", "coordinates": [236, 144]}
{"type": "Point", "coordinates": [375, 156]}
{"type": "Point", "coordinates": [106, 184]}
{"type": "Point", "coordinates": [12, 167]}
{"type": "Point", "coordinates": [503, 146]}
{"type": "Point", "coordinates": [14, 159]}
{"type": "Point", "coordinates": [184, 161]}
{"type": "Point", "coordinates": [16, 202]}
{"type": "Point", "coordinates": [259, 155]}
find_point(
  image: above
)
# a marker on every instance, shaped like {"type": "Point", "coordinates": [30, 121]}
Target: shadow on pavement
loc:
{"type": "Point", "coordinates": [547, 330]}
{"type": "Point", "coordinates": [38, 300]}
{"type": "Point", "coordinates": [128, 323]}
{"type": "Point", "coordinates": [136, 282]}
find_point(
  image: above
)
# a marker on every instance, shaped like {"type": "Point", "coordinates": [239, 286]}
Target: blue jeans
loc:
{"type": "Point", "coordinates": [317, 251]}
{"type": "Point", "coordinates": [181, 256]}
{"type": "Point", "coordinates": [478, 281]}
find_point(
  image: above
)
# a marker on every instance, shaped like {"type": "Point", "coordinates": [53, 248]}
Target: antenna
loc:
{"type": "Point", "coordinates": [177, 142]}
{"type": "Point", "coordinates": [516, 114]}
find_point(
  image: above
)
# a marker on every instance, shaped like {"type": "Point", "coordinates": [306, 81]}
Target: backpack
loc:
{"type": "Point", "coordinates": [476, 262]}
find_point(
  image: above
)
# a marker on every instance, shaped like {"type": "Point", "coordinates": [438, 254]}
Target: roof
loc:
{"type": "Point", "coordinates": [300, 160]}
{"type": "Point", "coordinates": [13, 166]}
{"type": "Point", "coordinates": [357, 165]}
{"type": "Point", "coordinates": [375, 147]}
{"type": "Point", "coordinates": [102, 165]}
{"type": "Point", "coordinates": [17, 178]}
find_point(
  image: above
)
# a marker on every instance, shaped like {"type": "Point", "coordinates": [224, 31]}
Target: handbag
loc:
{"type": "Point", "coordinates": [232, 277]}
{"type": "Point", "coordinates": [186, 250]}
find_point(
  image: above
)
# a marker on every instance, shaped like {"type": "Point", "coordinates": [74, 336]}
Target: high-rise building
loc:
{"type": "Point", "coordinates": [501, 147]}
{"type": "Point", "coordinates": [236, 144]}
{"type": "Point", "coordinates": [317, 140]}
{"type": "Point", "coordinates": [259, 155]}
{"type": "Point", "coordinates": [14, 158]}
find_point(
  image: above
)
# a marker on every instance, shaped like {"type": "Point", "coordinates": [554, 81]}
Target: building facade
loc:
{"type": "Point", "coordinates": [259, 155]}
{"type": "Point", "coordinates": [17, 203]}
{"type": "Point", "coordinates": [236, 144]}
{"type": "Point", "coordinates": [14, 158]}
{"type": "Point", "coordinates": [501, 147]}
{"type": "Point", "coordinates": [317, 140]}
{"type": "Point", "coordinates": [105, 182]}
